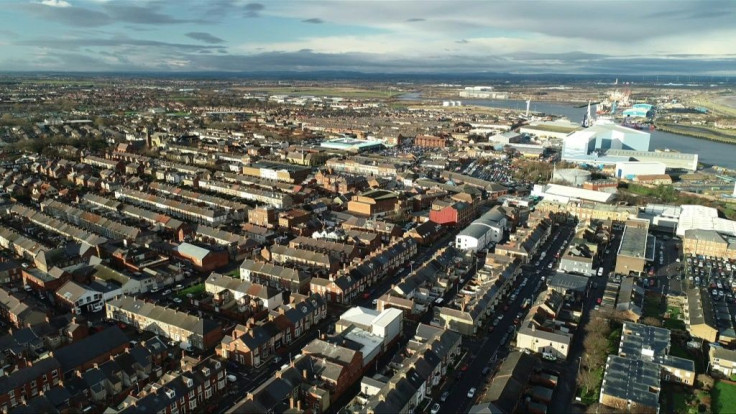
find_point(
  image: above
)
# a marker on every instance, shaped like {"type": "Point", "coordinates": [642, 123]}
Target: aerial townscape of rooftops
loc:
{"type": "Point", "coordinates": [367, 207]}
{"type": "Point", "coordinates": [175, 245]}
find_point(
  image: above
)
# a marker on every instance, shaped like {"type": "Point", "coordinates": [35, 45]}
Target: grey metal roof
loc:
{"type": "Point", "coordinates": [632, 379]}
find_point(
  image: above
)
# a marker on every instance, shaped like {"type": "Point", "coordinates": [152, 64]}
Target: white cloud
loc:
{"type": "Point", "coordinates": [56, 3]}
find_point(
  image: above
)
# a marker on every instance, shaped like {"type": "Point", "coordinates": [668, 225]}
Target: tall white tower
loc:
{"type": "Point", "coordinates": [734, 190]}
{"type": "Point", "coordinates": [528, 102]}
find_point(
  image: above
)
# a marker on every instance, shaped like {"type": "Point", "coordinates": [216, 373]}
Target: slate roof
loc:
{"type": "Point", "coordinates": [76, 354]}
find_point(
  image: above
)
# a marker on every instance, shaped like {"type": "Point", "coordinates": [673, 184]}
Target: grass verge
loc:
{"type": "Point", "coordinates": [194, 290]}
{"type": "Point", "coordinates": [723, 398]}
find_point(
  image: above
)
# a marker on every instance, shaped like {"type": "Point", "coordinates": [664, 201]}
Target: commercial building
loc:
{"type": "Point", "coordinates": [374, 203]}
{"type": "Point", "coordinates": [352, 144]}
{"type": "Point", "coordinates": [363, 167]}
{"type": "Point", "coordinates": [564, 194]}
{"type": "Point", "coordinates": [489, 228]}
{"type": "Point", "coordinates": [580, 144]}
{"type": "Point", "coordinates": [671, 159]}
{"type": "Point", "coordinates": [550, 129]}
{"type": "Point", "coordinates": [385, 324]}
{"type": "Point", "coordinates": [573, 176]}
{"type": "Point", "coordinates": [632, 252]}
{"type": "Point", "coordinates": [586, 211]}
{"type": "Point", "coordinates": [709, 243]}
{"type": "Point", "coordinates": [630, 170]}
{"type": "Point", "coordinates": [451, 212]}
{"type": "Point", "coordinates": [429, 141]}
{"type": "Point", "coordinates": [204, 260]}
{"type": "Point", "coordinates": [277, 171]}
{"type": "Point", "coordinates": [653, 179]}
{"type": "Point", "coordinates": [703, 218]}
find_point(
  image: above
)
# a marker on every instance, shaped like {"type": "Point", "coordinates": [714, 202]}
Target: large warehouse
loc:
{"type": "Point", "coordinates": [631, 169]}
{"type": "Point", "coordinates": [579, 145]}
{"type": "Point", "coordinates": [671, 159]}
{"type": "Point", "coordinates": [352, 144]}
{"type": "Point", "coordinates": [563, 194]}
{"type": "Point", "coordinates": [703, 218]}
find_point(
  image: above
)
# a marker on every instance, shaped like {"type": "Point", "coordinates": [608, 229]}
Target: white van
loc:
{"type": "Point", "coordinates": [549, 356]}
{"type": "Point", "coordinates": [600, 271]}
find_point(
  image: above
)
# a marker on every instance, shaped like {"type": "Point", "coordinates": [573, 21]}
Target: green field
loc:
{"type": "Point", "coordinates": [724, 398]}
{"type": "Point", "coordinates": [336, 92]}
{"type": "Point", "coordinates": [703, 132]}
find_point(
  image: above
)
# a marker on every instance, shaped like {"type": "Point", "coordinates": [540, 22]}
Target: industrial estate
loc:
{"type": "Point", "coordinates": [177, 246]}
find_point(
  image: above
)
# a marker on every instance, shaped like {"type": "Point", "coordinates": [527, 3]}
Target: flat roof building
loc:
{"type": "Point", "coordinates": [352, 144]}
{"type": "Point", "coordinates": [632, 252]}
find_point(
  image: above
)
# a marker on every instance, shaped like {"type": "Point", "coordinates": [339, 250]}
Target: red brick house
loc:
{"type": "Point", "coordinates": [28, 382]}
{"type": "Point", "coordinates": [204, 260]}
{"type": "Point", "coordinates": [49, 281]}
{"type": "Point", "coordinates": [451, 213]}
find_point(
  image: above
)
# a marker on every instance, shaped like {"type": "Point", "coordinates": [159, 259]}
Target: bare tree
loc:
{"type": "Point", "coordinates": [651, 321]}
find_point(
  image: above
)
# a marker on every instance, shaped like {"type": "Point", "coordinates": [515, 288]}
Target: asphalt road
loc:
{"type": "Point", "coordinates": [486, 349]}
{"type": "Point", "coordinates": [564, 394]}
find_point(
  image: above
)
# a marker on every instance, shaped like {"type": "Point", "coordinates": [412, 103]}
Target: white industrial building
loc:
{"type": "Point", "coordinates": [703, 218]}
{"type": "Point", "coordinates": [580, 144]}
{"type": "Point", "coordinates": [572, 176]}
{"type": "Point", "coordinates": [671, 159]}
{"type": "Point", "coordinates": [661, 215]}
{"type": "Point", "coordinates": [631, 169]}
{"type": "Point", "coordinates": [557, 129]}
{"type": "Point", "coordinates": [489, 228]}
{"type": "Point", "coordinates": [564, 194]}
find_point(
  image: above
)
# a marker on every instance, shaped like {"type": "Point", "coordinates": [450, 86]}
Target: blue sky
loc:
{"type": "Point", "coordinates": [518, 36]}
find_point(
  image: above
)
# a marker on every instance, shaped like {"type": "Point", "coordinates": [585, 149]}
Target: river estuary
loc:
{"type": "Point", "coordinates": [710, 152]}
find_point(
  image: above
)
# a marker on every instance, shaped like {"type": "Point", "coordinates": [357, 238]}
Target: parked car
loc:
{"type": "Point", "coordinates": [471, 392]}
{"type": "Point", "coordinates": [445, 395]}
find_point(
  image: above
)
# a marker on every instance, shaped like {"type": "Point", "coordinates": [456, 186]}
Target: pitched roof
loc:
{"type": "Point", "coordinates": [76, 354]}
